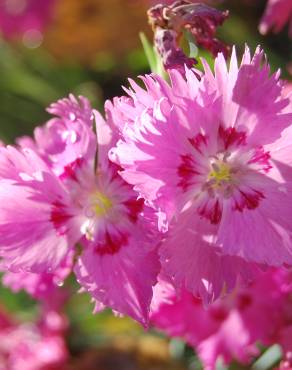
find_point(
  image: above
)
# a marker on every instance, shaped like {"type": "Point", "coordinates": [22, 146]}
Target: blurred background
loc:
{"type": "Point", "coordinates": [90, 47]}
{"type": "Point", "coordinates": [55, 47]}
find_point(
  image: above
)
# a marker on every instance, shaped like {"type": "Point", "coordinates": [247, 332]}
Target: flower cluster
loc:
{"type": "Point", "coordinates": [232, 327]}
{"type": "Point", "coordinates": [191, 181]}
{"type": "Point", "coordinates": [173, 208]}
{"type": "Point", "coordinates": [32, 346]}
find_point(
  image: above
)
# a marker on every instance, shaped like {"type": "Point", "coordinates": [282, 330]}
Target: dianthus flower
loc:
{"type": "Point", "coordinates": [32, 346]}
{"type": "Point", "coordinates": [277, 14]}
{"type": "Point", "coordinates": [232, 327]}
{"type": "Point", "coordinates": [212, 156]}
{"type": "Point", "coordinates": [59, 190]}
{"type": "Point", "coordinates": [20, 16]}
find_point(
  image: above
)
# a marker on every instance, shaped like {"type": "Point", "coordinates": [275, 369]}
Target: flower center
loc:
{"type": "Point", "coordinates": [101, 204]}
{"type": "Point", "coordinates": [222, 177]}
{"type": "Point", "coordinates": [98, 208]}
{"type": "Point", "coordinates": [220, 174]}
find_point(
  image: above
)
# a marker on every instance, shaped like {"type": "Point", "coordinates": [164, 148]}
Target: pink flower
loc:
{"type": "Point", "coordinates": [42, 232]}
{"type": "Point", "coordinates": [214, 332]}
{"type": "Point", "coordinates": [193, 264]}
{"type": "Point", "coordinates": [277, 14]}
{"type": "Point", "coordinates": [20, 16]}
{"type": "Point", "coordinates": [209, 155]}
{"type": "Point", "coordinates": [66, 138]}
{"type": "Point", "coordinates": [119, 264]}
{"type": "Point", "coordinates": [230, 328]}
{"type": "Point", "coordinates": [30, 346]}
{"type": "Point", "coordinates": [75, 195]}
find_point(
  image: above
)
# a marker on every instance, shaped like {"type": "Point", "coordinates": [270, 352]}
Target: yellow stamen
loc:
{"type": "Point", "coordinates": [220, 173]}
{"type": "Point", "coordinates": [101, 204]}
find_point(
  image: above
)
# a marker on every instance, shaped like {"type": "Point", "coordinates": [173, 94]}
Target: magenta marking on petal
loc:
{"type": "Point", "coordinates": [111, 244]}
{"type": "Point", "coordinates": [213, 213]}
{"type": "Point", "coordinates": [263, 158]}
{"type": "Point", "coordinates": [218, 313]}
{"type": "Point", "coordinates": [134, 206]}
{"type": "Point", "coordinates": [230, 136]}
{"type": "Point", "coordinates": [198, 141]}
{"type": "Point", "coordinates": [249, 200]}
{"type": "Point", "coordinates": [115, 169]}
{"type": "Point", "coordinates": [186, 171]}
{"type": "Point", "coordinates": [70, 170]}
{"type": "Point", "coordinates": [59, 217]}
{"type": "Point", "coordinates": [244, 300]}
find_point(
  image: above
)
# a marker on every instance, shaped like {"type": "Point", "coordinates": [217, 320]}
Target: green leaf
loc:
{"type": "Point", "coordinates": [149, 52]}
{"type": "Point", "coordinates": [193, 49]}
{"type": "Point", "coordinates": [269, 358]}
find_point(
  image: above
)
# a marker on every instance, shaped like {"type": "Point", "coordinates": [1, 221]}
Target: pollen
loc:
{"type": "Point", "coordinates": [101, 204]}
{"type": "Point", "coordinates": [220, 174]}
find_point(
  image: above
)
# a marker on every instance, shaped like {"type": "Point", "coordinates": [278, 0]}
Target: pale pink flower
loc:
{"type": "Point", "coordinates": [277, 14]}
{"type": "Point", "coordinates": [40, 234]}
{"type": "Point", "coordinates": [192, 263]}
{"type": "Point", "coordinates": [65, 138]}
{"type": "Point", "coordinates": [210, 152]}
{"type": "Point", "coordinates": [75, 195]}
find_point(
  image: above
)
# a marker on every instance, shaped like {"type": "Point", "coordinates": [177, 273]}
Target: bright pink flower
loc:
{"type": "Point", "coordinates": [30, 346]}
{"type": "Point", "coordinates": [214, 332]}
{"type": "Point", "coordinates": [77, 196]}
{"type": "Point", "coordinates": [20, 16]}
{"type": "Point", "coordinates": [230, 328]}
{"type": "Point", "coordinates": [277, 14]}
{"type": "Point", "coordinates": [210, 153]}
